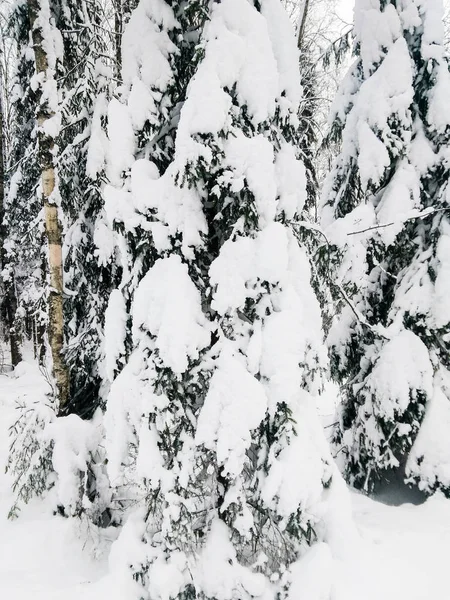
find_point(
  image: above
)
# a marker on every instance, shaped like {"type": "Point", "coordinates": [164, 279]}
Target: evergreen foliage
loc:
{"type": "Point", "coordinates": [85, 86]}
{"type": "Point", "coordinates": [23, 241]}
{"type": "Point", "coordinates": [83, 81]}
{"type": "Point", "coordinates": [82, 84]}
{"type": "Point", "coordinates": [219, 355]}
{"type": "Point", "coordinates": [385, 210]}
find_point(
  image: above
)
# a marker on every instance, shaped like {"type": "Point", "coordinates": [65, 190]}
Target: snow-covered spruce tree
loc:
{"type": "Point", "coordinates": [85, 84]}
{"type": "Point", "coordinates": [386, 212]}
{"type": "Point", "coordinates": [213, 412]}
{"type": "Point", "coordinates": [23, 227]}
{"type": "Point", "coordinates": [143, 123]}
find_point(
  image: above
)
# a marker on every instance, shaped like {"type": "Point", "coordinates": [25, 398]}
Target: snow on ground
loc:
{"type": "Point", "coordinates": [402, 554]}
{"type": "Point", "coordinates": [409, 546]}
{"type": "Point", "coordinates": [41, 556]}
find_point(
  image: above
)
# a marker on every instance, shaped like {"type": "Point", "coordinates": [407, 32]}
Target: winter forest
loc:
{"type": "Point", "coordinates": [224, 299]}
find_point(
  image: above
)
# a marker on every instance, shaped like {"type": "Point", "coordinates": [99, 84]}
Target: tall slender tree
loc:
{"type": "Point", "coordinates": [122, 14]}
{"type": "Point", "coordinates": [9, 301]}
{"type": "Point", "coordinates": [385, 206]}
{"type": "Point", "coordinates": [47, 48]}
{"type": "Point", "coordinates": [65, 84]}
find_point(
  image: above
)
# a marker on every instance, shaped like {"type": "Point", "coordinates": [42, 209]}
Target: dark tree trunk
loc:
{"type": "Point", "coordinates": [9, 301]}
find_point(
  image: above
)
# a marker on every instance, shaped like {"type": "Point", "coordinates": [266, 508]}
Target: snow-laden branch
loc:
{"type": "Point", "coordinates": [360, 318]}
{"type": "Point", "coordinates": [426, 213]}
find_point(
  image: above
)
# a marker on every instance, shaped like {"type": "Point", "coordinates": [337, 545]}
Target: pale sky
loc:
{"type": "Point", "coordinates": [345, 9]}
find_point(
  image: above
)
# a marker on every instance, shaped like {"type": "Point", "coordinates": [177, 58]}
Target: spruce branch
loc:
{"type": "Point", "coordinates": [376, 330]}
{"type": "Point", "coordinates": [426, 213]}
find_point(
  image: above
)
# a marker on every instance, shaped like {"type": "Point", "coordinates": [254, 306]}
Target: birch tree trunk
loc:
{"type": "Point", "coordinates": [53, 227]}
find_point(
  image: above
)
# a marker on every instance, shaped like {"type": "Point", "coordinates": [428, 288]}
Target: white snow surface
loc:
{"type": "Point", "coordinates": [168, 306]}
{"type": "Point", "coordinates": [234, 406]}
{"type": "Point", "coordinates": [400, 553]}
{"type": "Point", "coordinates": [115, 331]}
{"type": "Point", "coordinates": [403, 368]}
